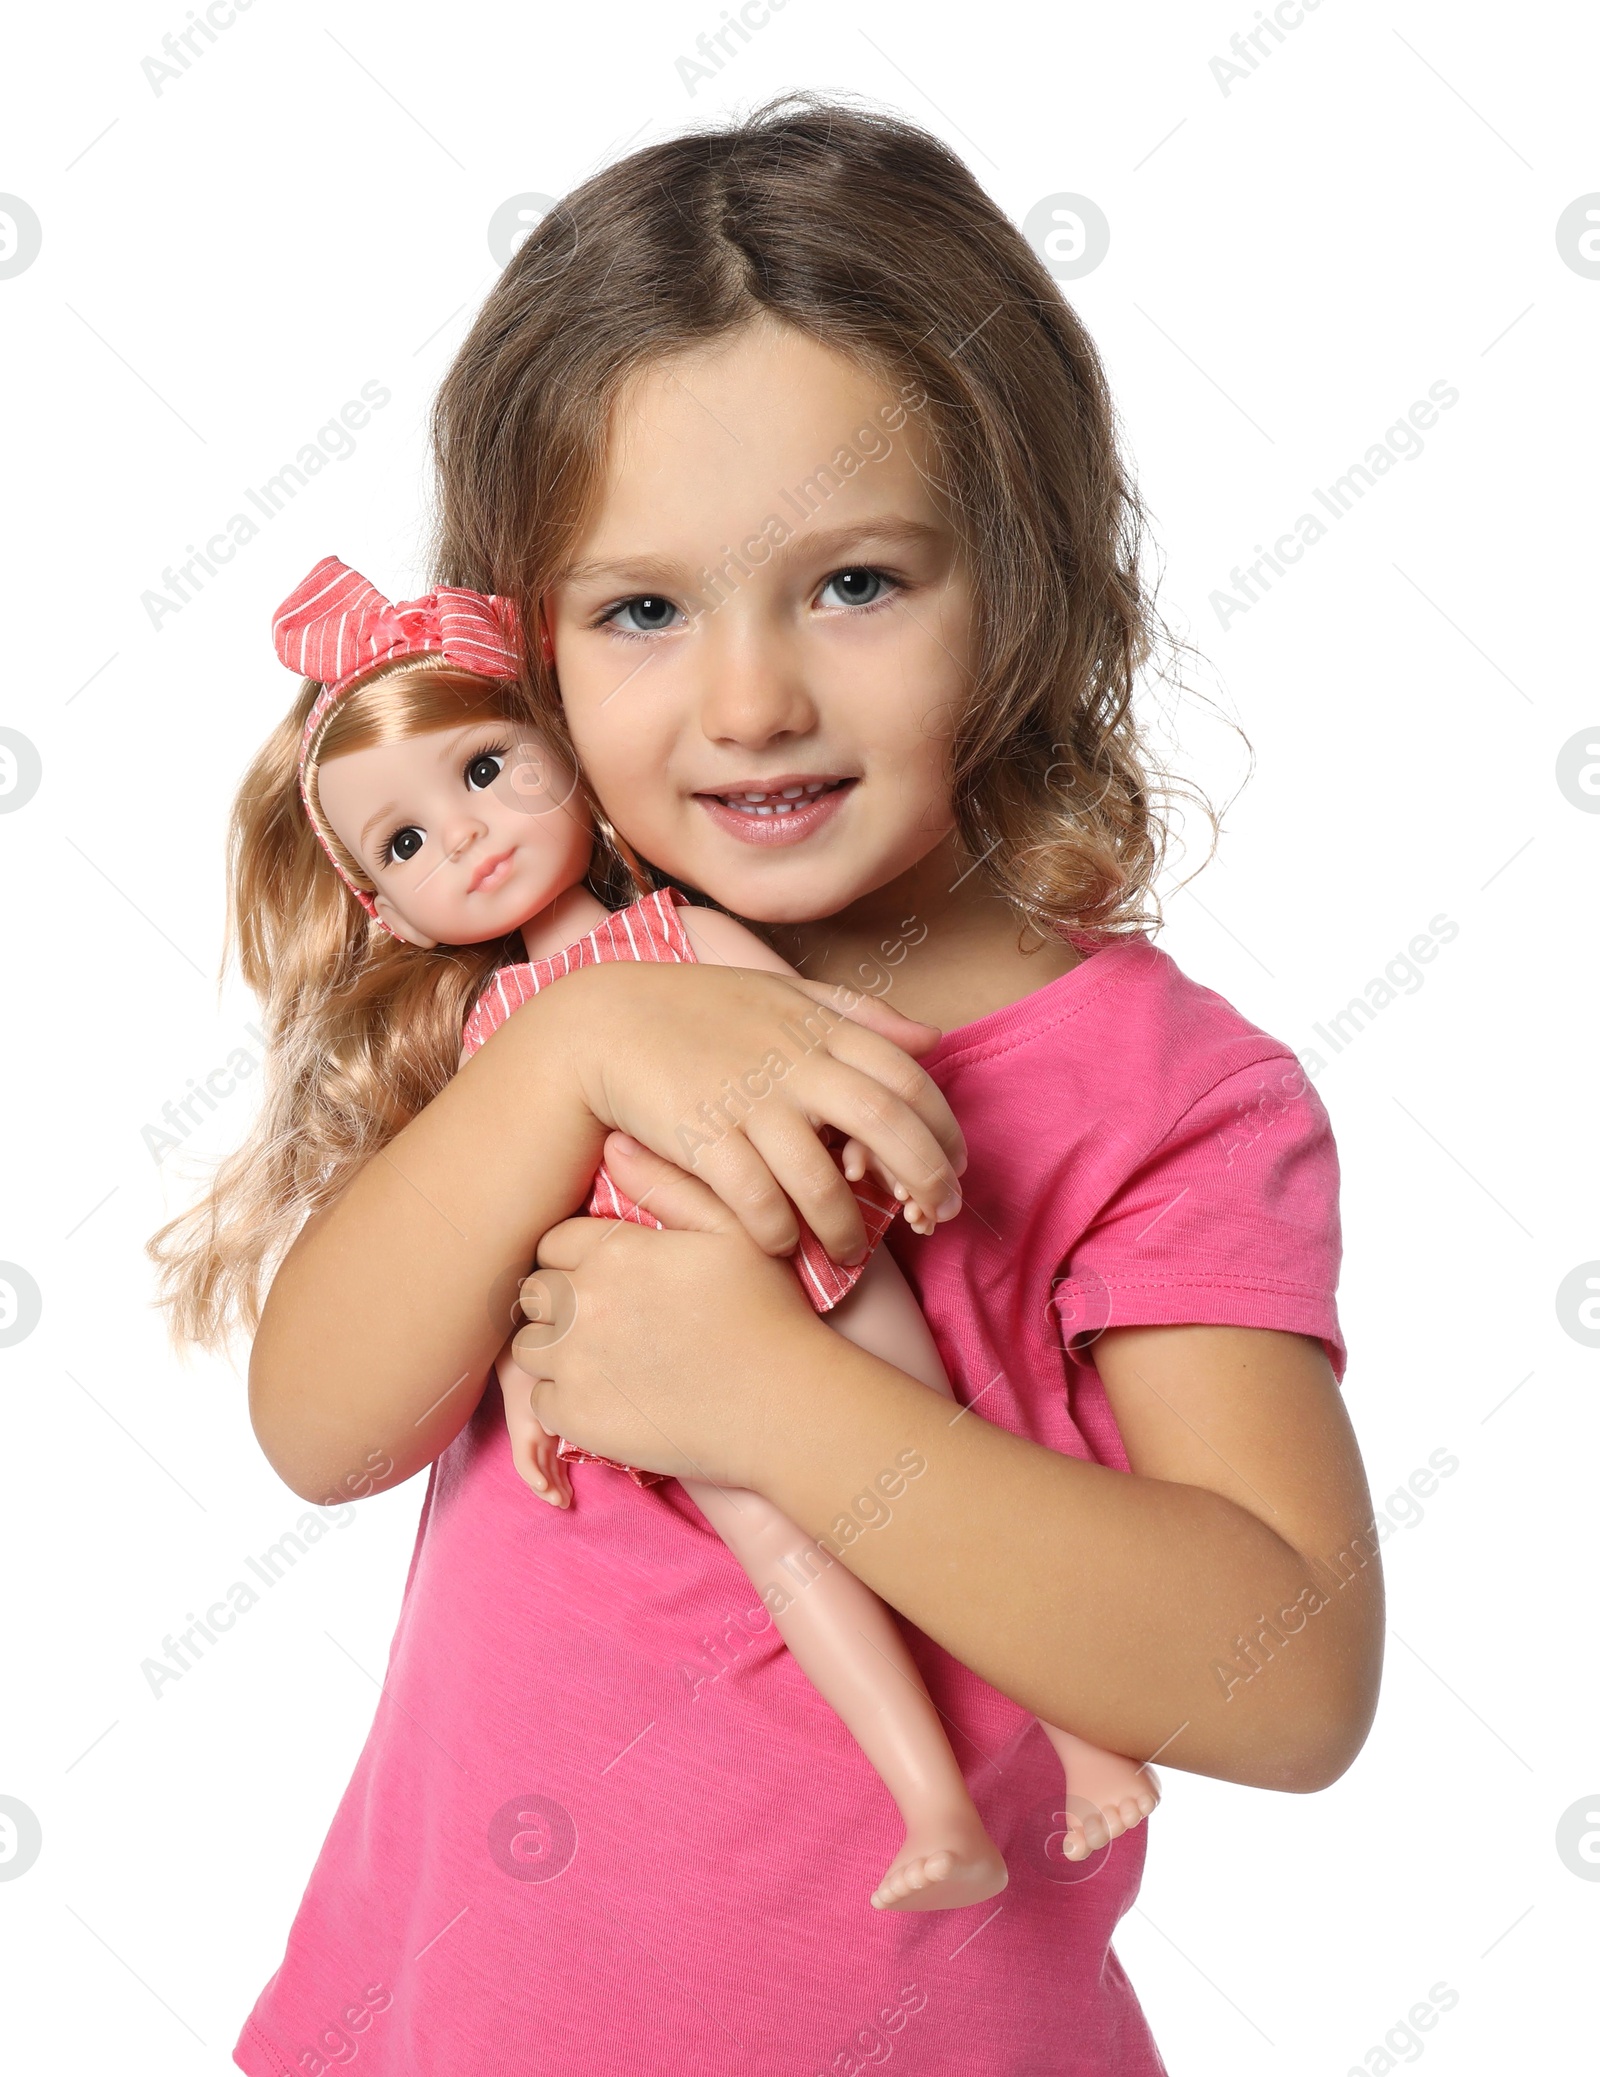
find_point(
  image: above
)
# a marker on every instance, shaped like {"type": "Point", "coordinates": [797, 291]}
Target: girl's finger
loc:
{"type": "Point", "coordinates": [570, 1244]}
{"type": "Point", "coordinates": [808, 1173]}
{"type": "Point", "coordinates": [871, 1014]}
{"type": "Point", "coordinates": [661, 1188]}
{"type": "Point", "coordinates": [908, 1083]}
{"type": "Point", "coordinates": [732, 1168]}
{"type": "Point", "coordinates": [899, 1140]}
{"type": "Point", "coordinates": [530, 1346]}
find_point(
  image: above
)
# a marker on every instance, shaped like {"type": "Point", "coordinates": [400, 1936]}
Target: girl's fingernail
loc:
{"type": "Point", "coordinates": [625, 1144]}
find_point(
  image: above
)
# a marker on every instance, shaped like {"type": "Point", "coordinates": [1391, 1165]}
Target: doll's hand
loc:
{"type": "Point", "coordinates": [533, 1447]}
{"type": "Point", "coordinates": [734, 1074]}
{"type": "Point", "coordinates": [858, 1161]}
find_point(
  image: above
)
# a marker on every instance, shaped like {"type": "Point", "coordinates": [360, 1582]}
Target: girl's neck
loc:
{"type": "Point", "coordinates": [572, 915]}
{"type": "Point", "coordinates": [938, 943]}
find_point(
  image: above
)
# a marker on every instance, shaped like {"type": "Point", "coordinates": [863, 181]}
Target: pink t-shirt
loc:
{"type": "Point", "coordinates": [604, 1825]}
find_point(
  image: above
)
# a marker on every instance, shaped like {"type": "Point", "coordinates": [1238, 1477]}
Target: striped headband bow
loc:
{"type": "Point", "coordinates": [336, 627]}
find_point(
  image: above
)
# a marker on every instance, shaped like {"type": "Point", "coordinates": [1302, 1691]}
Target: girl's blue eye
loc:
{"type": "Point", "coordinates": [650, 614]}
{"type": "Point", "coordinates": [484, 769]}
{"type": "Point", "coordinates": [404, 844]}
{"type": "Point", "coordinates": [857, 587]}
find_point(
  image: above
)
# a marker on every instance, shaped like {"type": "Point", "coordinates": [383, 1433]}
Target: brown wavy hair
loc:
{"type": "Point", "coordinates": [868, 234]}
{"type": "Point", "coordinates": [871, 236]}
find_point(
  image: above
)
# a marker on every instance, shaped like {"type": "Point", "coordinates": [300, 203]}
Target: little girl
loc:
{"type": "Point", "coordinates": [789, 438]}
{"type": "Point", "coordinates": [451, 825]}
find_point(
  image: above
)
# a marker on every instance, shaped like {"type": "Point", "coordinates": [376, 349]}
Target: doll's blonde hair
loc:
{"type": "Point", "coordinates": [362, 1030]}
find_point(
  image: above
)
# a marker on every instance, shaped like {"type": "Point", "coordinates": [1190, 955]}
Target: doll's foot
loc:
{"type": "Point", "coordinates": [1107, 1795]}
{"type": "Point", "coordinates": [942, 1867]}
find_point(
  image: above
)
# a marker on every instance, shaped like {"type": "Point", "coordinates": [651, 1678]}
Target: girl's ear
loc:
{"type": "Point", "coordinates": [388, 913]}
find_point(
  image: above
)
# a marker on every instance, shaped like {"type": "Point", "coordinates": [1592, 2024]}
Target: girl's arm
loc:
{"type": "Point", "coordinates": [386, 1315]}
{"type": "Point", "coordinates": [1219, 1606]}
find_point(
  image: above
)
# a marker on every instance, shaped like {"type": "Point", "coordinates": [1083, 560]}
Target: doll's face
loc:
{"type": "Point", "coordinates": [466, 833]}
{"type": "Point", "coordinates": [763, 641]}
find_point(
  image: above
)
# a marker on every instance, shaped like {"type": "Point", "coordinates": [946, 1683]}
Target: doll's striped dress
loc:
{"type": "Point", "coordinates": [651, 929]}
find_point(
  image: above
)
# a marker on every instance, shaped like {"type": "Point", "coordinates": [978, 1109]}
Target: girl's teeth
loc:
{"type": "Point", "coordinates": [789, 793]}
{"type": "Point", "coordinates": [753, 803]}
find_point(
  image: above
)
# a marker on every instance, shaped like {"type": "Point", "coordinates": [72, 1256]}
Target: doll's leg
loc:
{"type": "Point", "coordinates": [1107, 1794]}
{"type": "Point", "coordinates": [851, 1649]}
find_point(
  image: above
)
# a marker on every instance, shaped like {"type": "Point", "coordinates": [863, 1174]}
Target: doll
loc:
{"type": "Point", "coordinates": [455, 827]}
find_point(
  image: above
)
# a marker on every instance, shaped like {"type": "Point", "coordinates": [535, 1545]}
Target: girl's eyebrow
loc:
{"type": "Point", "coordinates": [645, 569]}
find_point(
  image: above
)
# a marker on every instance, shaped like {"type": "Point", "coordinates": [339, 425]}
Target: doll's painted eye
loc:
{"type": "Point", "coordinates": [404, 844]}
{"type": "Point", "coordinates": [484, 769]}
{"type": "Point", "coordinates": [858, 587]}
{"type": "Point", "coordinates": [645, 615]}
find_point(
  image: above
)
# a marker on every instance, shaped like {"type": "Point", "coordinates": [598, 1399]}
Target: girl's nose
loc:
{"type": "Point", "coordinates": [754, 691]}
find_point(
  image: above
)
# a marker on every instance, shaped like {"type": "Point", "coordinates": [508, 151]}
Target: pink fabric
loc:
{"type": "Point", "coordinates": [651, 929]}
{"type": "Point", "coordinates": [602, 1822]}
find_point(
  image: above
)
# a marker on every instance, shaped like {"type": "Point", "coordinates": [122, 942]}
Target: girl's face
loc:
{"type": "Point", "coordinates": [763, 640]}
{"type": "Point", "coordinates": [466, 833]}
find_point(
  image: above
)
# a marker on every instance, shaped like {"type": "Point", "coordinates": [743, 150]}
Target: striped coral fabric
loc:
{"type": "Point", "coordinates": [336, 626]}
{"type": "Point", "coordinates": [651, 929]}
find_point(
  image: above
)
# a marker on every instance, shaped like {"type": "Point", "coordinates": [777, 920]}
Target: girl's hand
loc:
{"type": "Point", "coordinates": [533, 1447]}
{"type": "Point", "coordinates": [675, 1351]}
{"type": "Point", "coordinates": [733, 1074]}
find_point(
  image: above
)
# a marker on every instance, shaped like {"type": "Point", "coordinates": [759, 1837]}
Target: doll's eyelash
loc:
{"type": "Point", "coordinates": [386, 856]}
{"type": "Point", "coordinates": [608, 617]}
{"type": "Point", "coordinates": [496, 747]}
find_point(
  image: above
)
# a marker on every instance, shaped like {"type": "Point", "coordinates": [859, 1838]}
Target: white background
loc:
{"type": "Point", "coordinates": [1292, 263]}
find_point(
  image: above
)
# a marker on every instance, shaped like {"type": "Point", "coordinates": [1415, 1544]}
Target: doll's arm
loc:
{"type": "Point", "coordinates": [534, 1450]}
{"type": "Point", "coordinates": [720, 940]}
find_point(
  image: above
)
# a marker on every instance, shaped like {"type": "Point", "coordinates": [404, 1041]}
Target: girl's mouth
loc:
{"type": "Point", "coordinates": [784, 811]}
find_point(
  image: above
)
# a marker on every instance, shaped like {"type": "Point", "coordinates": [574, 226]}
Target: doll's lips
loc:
{"type": "Point", "coordinates": [785, 811]}
{"type": "Point", "coordinates": [491, 872]}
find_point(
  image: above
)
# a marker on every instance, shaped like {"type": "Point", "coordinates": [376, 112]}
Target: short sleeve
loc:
{"type": "Point", "coordinates": [1233, 1220]}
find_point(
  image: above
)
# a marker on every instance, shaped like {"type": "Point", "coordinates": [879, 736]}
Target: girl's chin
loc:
{"type": "Point", "coordinates": [785, 893]}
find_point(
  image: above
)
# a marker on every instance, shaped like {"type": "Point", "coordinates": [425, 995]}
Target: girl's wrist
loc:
{"type": "Point", "coordinates": [564, 1029]}
{"type": "Point", "coordinates": [776, 1428]}
{"type": "Point", "coordinates": [835, 1422]}
{"type": "Point", "coordinates": [590, 1015]}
